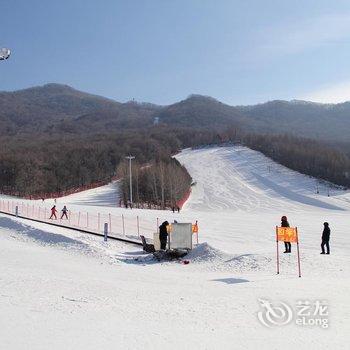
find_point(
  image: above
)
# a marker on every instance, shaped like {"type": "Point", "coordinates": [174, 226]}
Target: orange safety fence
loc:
{"type": "Point", "coordinates": [180, 203]}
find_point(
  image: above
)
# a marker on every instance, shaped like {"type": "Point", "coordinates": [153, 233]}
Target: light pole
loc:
{"type": "Point", "coordinates": [130, 159]}
{"type": "Point", "coordinates": [4, 53]}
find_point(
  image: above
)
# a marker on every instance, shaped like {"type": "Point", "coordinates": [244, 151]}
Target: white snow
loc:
{"type": "Point", "coordinates": [64, 289]}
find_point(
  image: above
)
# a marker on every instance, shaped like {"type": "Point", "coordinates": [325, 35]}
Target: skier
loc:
{"type": "Point", "coordinates": [287, 245]}
{"type": "Point", "coordinates": [53, 212]}
{"type": "Point", "coordinates": [64, 213]}
{"type": "Point", "coordinates": [163, 234]}
{"type": "Point", "coordinates": [325, 237]}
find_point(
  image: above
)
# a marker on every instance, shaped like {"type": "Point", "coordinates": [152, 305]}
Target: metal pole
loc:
{"type": "Point", "coordinates": [278, 258]}
{"type": "Point", "coordinates": [130, 175]}
{"type": "Point", "coordinates": [105, 231]}
{"type": "Point", "coordinates": [110, 222]}
{"type": "Point", "coordinates": [298, 252]}
{"type": "Point", "coordinates": [130, 181]}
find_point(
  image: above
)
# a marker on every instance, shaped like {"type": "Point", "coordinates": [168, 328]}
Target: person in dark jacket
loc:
{"type": "Point", "coordinates": [287, 245]}
{"type": "Point", "coordinates": [163, 234]}
{"type": "Point", "coordinates": [325, 237]}
{"type": "Point", "coordinates": [64, 212]}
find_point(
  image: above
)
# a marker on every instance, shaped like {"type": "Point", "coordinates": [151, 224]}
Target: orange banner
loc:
{"type": "Point", "coordinates": [287, 234]}
{"type": "Point", "coordinates": [194, 228]}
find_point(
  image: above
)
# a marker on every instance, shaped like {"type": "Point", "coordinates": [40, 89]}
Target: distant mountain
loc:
{"type": "Point", "coordinates": [328, 122]}
{"type": "Point", "coordinates": [301, 118]}
{"type": "Point", "coordinates": [60, 108]}
{"type": "Point", "coordinates": [201, 111]}
{"type": "Point", "coordinates": [55, 108]}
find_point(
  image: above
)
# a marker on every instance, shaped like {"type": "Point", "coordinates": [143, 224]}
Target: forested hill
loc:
{"type": "Point", "coordinates": [55, 138]}
{"type": "Point", "coordinates": [60, 109]}
{"type": "Point", "coordinates": [201, 111]}
{"type": "Point", "coordinates": [327, 122]}
{"type": "Point", "coordinates": [301, 118]}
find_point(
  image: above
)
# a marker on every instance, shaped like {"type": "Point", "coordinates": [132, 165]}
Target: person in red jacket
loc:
{"type": "Point", "coordinates": [53, 212]}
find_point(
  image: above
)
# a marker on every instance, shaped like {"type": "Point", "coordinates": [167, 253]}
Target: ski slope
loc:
{"type": "Point", "coordinates": [241, 179]}
{"type": "Point", "coordinates": [63, 289]}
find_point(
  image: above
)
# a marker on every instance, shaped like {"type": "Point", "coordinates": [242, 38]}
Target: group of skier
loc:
{"type": "Point", "coordinates": [175, 208]}
{"type": "Point", "coordinates": [163, 233]}
{"type": "Point", "coordinates": [163, 236]}
{"type": "Point", "coordinates": [325, 237]}
{"type": "Point", "coordinates": [54, 212]}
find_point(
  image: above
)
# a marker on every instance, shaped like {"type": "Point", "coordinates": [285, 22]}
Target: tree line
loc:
{"type": "Point", "coordinates": [44, 164]}
{"type": "Point", "coordinates": [53, 164]}
{"type": "Point", "coordinates": [306, 156]}
{"type": "Point", "coordinates": [161, 183]}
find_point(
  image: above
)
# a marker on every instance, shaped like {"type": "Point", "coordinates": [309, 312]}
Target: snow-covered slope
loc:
{"type": "Point", "coordinates": [241, 179]}
{"type": "Point", "coordinates": [105, 196]}
{"type": "Point", "coordinates": [64, 289]}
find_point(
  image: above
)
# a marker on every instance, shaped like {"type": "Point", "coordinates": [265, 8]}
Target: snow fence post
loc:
{"type": "Point", "coordinates": [110, 222]}
{"type": "Point", "coordinates": [278, 258]}
{"type": "Point", "coordinates": [105, 231]}
{"type": "Point", "coordinates": [98, 222]}
{"type": "Point", "coordinates": [298, 252]}
{"type": "Point", "coordinates": [17, 211]}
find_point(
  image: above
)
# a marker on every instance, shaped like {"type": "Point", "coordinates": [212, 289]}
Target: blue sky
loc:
{"type": "Point", "coordinates": [160, 51]}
